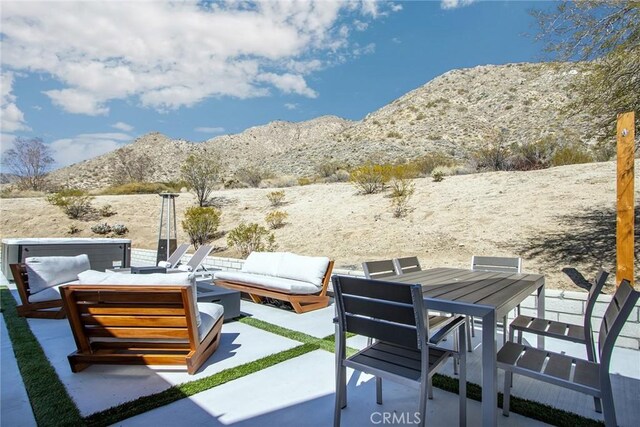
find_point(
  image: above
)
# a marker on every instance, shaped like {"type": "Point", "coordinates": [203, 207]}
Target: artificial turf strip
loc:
{"type": "Point", "coordinates": [50, 402]}
{"type": "Point", "coordinates": [181, 391]}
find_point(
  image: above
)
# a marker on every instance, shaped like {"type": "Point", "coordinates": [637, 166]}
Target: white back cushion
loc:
{"type": "Point", "coordinates": [303, 268]}
{"type": "Point", "coordinates": [45, 272]}
{"type": "Point", "coordinates": [92, 277]}
{"type": "Point", "coordinates": [267, 263]}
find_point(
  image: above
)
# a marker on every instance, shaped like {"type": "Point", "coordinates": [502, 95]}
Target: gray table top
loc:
{"type": "Point", "coordinates": [499, 291]}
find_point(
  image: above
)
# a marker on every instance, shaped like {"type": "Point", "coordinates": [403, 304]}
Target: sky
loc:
{"type": "Point", "coordinates": [91, 76]}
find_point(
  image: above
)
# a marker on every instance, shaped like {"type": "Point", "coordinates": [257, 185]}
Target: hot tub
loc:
{"type": "Point", "coordinates": [103, 253]}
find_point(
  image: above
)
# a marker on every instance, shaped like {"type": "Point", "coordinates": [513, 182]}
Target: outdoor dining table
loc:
{"type": "Point", "coordinates": [485, 295]}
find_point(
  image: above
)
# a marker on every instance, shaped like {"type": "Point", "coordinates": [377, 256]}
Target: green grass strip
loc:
{"type": "Point", "coordinates": [289, 333]}
{"type": "Point", "coordinates": [175, 393]}
{"type": "Point", "coordinates": [51, 404]}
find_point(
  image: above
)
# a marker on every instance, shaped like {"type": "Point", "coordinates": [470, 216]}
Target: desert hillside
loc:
{"type": "Point", "coordinates": [457, 111]}
{"type": "Point", "coordinates": [554, 218]}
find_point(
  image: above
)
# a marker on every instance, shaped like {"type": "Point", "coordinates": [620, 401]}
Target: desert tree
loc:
{"type": "Point", "coordinates": [30, 160]}
{"type": "Point", "coordinates": [202, 174]}
{"type": "Point", "coordinates": [606, 32]}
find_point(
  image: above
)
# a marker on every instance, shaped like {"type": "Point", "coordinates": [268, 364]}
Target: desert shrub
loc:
{"type": "Point", "coordinates": [102, 229]}
{"type": "Point", "coordinates": [394, 134]}
{"type": "Point", "coordinates": [202, 174]}
{"type": "Point", "coordinates": [605, 152]}
{"type": "Point", "coordinates": [276, 198]}
{"type": "Point", "coordinates": [280, 182]}
{"type": "Point", "coordinates": [328, 168]}
{"type": "Point", "coordinates": [106, 211]}
{"type": "Point", "coordinates": [275, 219]}
{"type": "Point", "coordinates": [437, 175]}
{"type": "Point", "coordinates": [400, 202]}
{"type": "Point", "coordinates": [494, 157]}
{"type": "Point", "coordinates": [175, 186]}
{"type": "Point", "coordinates": [252, 176]}
{"type": "Point", "coordinates": [233, 183]}
{"type": "Point", "coordinates": [75, 203]}
{"type": "Point", "coordinates": [532, 155]}
{"type": "Point", "coordinates": [247, 238]}
{"type": "Point", "coordinates": [370, 178]}
{"type": "Point", "coordinates": [571, 154]}
{"type": "Point", "coordinates": [304, 181]}
{"type": "Point", "coordinates": [401, 187]}
{"type": "Point", "coordinates": [339, 176]}
{"type": "Point", "coordinates": [425, 164]}
{"type": "Point", "coordinates": [201, 224]}
{"type": "Point", "coordinates": [119, 229]}
{"type": "Point", "coordinates": [137, 188]}
{"type": "Point", "coordinates": [73, 229]}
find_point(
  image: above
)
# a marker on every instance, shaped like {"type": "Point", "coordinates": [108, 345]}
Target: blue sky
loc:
{"type": "Point", "coordinates": [89, 77]}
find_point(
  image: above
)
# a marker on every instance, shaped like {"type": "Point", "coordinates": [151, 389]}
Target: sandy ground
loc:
{"type": "Point", "coordinates": [555, 219]}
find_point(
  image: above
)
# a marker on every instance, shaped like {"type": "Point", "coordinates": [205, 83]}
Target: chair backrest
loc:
{"type": "Point", "coordinates": [498, 264]}
{"type": "Point", "coordinates": [21, 280]}
{"type": "Point", "coordinates": [177, 255]}
{"type": "Point", "coordinates": [199, 256]}
{"type": "Point", "coordinates": [617, 313]}
{"type": "Point", "coordinates": [594, 291]}
{"type": "Point", "coordinates": [126, 312]}
{"type": "Point", "coordinates": [407, 265]}
{"type": "Point", "coordinates": [381, 310]}
{"type": "Point", "coordinates": [379, 269]}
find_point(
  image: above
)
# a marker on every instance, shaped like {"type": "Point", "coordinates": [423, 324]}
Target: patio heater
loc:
{"type": "Point", "coordinates": [167, 243]}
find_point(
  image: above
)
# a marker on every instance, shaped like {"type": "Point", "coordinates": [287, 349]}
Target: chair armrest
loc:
{"type": "Point", "coordinates": [446, 329]}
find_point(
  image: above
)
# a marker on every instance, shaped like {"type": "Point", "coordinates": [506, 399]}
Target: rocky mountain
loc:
{"type": "Point", "coordinates": [457, 111]}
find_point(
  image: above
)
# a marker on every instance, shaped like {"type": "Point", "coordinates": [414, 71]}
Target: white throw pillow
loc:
{"type": "Point", "coordinates": [93, 277]}
{"type": "Point", "coordinates": [267, 263]}
{"type": "Point", "coordinates": [303, 268]}
{"type": "Point", "coordinates": [45, 272]}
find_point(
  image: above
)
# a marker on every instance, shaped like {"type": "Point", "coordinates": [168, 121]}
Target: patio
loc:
{"type": "Point", "coordinates": [299, 390]}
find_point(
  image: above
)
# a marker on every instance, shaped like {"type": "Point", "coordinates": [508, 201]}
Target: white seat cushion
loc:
{"type": "Point", "coordinates": [92, 277]}
{"type": "Point", "coordinates": [287, 265]}
{"type": "Point", "coordinates": [278, 284]}
{"type": "Point", "coordinates": [210, 313]}
{"type": "Point", "coordinates": [49, 294]}
{"type": "Point", "coordinates": [47, 271]}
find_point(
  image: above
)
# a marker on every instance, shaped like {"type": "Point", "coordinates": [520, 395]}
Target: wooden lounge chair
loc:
{"type": "Point", "coordinates": [140, 324]}
{"type": "Point", "coordinates": [571, 372]}
{"type": "Point", "coordinates": [49, 309]}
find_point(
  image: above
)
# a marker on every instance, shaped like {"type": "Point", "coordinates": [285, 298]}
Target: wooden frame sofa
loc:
{"type": "Point", "coordinates": [141, 323]}
{"type": "Point", "coordinates": [300, 280]}
{"type": "Point", "coordinates": [40, 296]}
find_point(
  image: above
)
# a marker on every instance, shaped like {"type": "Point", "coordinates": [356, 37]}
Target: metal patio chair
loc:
{"type": "Point", "coordinates": [571, 372]}
{"type": "Point", "coordinates": [406, 265]}
{"type": "Point", "coordinates": [395, 316]}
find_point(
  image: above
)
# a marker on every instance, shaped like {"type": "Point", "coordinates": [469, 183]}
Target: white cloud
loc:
{"type": "Point", "coordinates": [12, 118]}
{"type": "Point", "coordinates": [167, 55]}
{"type": "Point", "coordinates": [288, 83]}
{"type": "Point", "coordinates": [205, 129]}
{"type": "Point", "coordinates": [67, 151]}
{"type": "Point", "coordinates": [453, 4]}
{"type": "Point", "coordinates": [122, 126]}
{"type": "Point", "coordinates": [291, 106]}
{"type": "Point", "coordinates": [396, 40]}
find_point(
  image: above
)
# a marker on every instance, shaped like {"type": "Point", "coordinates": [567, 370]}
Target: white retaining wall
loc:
{"type": "Point", "coordinates": [566, 306]}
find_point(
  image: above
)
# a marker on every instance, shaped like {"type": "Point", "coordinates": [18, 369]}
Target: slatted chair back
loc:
{"type": "Point", "coordinates": [498, 264]}
{"type": "Point", "coordinates": [379, 269]}
{"type": "Point", "coordinates": [407, 265]}
{"type": "Point", "coordinates": [594, 291]}
{"type": "Point", "coordinates": [177, 255]}
{"type": "Point", "coordinates": [122, 313]}
{"type": "Point", "coordinates": [615, 316]}
{"type": "Point", "coordinates": [381, 310]}
{"type": "Point", "coordinates": [198, 256]}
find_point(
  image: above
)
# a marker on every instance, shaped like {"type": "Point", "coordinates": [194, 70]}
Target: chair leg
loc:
{"type": "Point", "coordinates": [462, 380]}
{"type": "Point", "coordinates": [430, 388]}
{"type": "Point", "coordinates": [422, 409]}
{"type": "Point", "coordinates": [341, 395]}
{"type": "Point", "coordinates": [456, 348]}
{"type": "Point", "coordinates": [508, 380]}
{"type": "Point", "coordinates": [468, 321]}
{"type": "Point", "coordinates": [504, 330]}
{"type": "Point", "coordinates": [379, 390]}
{"type": "Point", "coordinates": [473, 331]}
{"type": "Point", "coordinates": [608, 407]}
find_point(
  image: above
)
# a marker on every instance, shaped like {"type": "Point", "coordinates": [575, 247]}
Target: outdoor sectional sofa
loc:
{"type": "Point", "coordinates": [300, 280]}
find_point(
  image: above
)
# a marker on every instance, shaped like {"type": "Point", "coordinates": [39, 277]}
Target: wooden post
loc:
{"type": "Point", "coordinates": [625, 200]}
